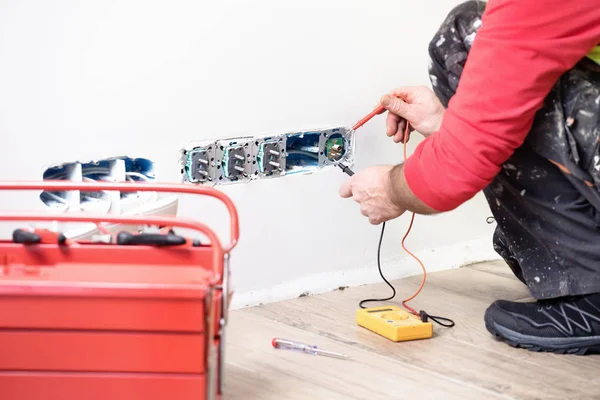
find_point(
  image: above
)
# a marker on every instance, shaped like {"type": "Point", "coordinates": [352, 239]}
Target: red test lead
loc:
{"type": "Point", "coordinates": [380, 109]}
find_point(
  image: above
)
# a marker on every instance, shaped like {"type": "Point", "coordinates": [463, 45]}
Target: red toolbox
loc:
{"type": "Point", "coordinates": [90, 321]}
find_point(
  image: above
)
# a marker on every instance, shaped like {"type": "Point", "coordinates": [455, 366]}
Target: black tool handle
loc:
{"type": "Point", "coordinates": [346, 169]}
{"type": "Point", "coordinates": [149, 239]}
{"type": "Point", "coordinates": [25, 237]}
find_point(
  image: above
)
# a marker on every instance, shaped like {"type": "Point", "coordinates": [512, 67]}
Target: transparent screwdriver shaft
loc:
{"type": "Point", "coordinates": [285, 344]}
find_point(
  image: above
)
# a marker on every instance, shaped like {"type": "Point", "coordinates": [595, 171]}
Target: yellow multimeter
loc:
{"type": "Point", "coordinates": [394, 323]}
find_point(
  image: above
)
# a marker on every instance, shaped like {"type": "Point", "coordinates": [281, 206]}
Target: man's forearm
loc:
{"type": "Point", "coordinates": [401, 194]}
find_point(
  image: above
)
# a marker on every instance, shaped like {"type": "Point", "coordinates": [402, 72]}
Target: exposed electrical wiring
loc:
{"type": "Point", "coordinates": [64, 204]}
{"type": "Point", "coordinates": [362, 302]}
{"type": "Point", "coordinates": [304, 153]}
{"type": "Point", "coordinates": [57, 198]}
{"type": "Point", "coordinates": [98, 171]}
{"type": "Point", "coordinates": [112, 169]}
{"type": "Point", "coordinates": [137, 175]}
{"type": "Point", "coordinates": [423, 315]}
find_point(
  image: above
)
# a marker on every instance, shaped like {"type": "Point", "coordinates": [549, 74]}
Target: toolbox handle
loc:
{"type": "Point", "coordinates": [59, 185]}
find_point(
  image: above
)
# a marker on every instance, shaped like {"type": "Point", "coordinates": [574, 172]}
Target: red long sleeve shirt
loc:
{"type": "Point", "coordinates": [519, 53]}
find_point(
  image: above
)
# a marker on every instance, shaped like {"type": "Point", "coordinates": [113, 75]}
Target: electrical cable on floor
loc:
{"type": "Point", "coordinates": [423, 315]}
{"type": "Point", "coordinates": [380, 273]}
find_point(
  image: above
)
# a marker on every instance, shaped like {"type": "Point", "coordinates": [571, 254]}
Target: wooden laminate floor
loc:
{"type": "Point", "coordinates": [464, 362]}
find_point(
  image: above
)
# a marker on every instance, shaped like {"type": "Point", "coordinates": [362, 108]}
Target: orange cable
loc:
{"type": "Point", "coordinates": [412, 219]}
{"type": "Point", "coordinates": [378, 110]}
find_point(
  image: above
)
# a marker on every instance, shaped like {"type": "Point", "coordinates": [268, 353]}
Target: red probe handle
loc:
{"type": "Point", "coordinates": [131, 187]}
{"type": "Point", "coordinates": [379, 110]}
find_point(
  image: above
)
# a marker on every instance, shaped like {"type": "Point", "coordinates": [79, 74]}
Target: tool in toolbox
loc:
{"type": "Point", "coordinates": [35, 236]}
{"type": "Point", "coordinates": [142, 317]}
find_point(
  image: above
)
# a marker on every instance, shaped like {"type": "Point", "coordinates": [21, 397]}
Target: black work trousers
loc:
{"type": "Point", "coordinates": [545, 200]}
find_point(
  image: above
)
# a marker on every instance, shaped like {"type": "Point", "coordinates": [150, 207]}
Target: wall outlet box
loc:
{"type": "Point", "coordinates": [245, 159]}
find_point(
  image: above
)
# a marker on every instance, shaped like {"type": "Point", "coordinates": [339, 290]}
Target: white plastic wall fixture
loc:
{"type": "Point", "coordinates": [116, 173]}
{"type": "Point", "coordinates": [72, 198]}
{"type": "Point", "coordinates": [244, 159]}
{"type": "Point", "coordinates": [112, 170]}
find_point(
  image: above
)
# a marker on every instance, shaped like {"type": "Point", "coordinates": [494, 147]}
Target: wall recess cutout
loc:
{"type": "Point", "coordinates": [239, 160]}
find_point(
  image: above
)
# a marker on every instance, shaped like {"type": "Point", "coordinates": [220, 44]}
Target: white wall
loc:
{"type": "Point", "coordinates": [91, 79]}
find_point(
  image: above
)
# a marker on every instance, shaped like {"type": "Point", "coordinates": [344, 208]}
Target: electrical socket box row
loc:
{"type": "Point", "coordinates": [238, 160]}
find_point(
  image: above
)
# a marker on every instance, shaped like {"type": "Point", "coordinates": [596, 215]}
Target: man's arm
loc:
{"type": "Point", "coordinates": [519, 53]}
{"type": "Point", "coordinates": [400, 193]}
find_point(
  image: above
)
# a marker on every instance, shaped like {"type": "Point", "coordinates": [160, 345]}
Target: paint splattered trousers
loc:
{"type": "Point", "coordinates": [546, 199]}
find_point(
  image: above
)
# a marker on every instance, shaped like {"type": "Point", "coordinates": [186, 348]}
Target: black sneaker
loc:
{"type": "Point", "coordinates": [563, 326]}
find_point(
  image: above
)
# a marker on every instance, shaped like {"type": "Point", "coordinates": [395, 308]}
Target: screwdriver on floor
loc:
{"type": "Point", "coordinates": [305, 348]}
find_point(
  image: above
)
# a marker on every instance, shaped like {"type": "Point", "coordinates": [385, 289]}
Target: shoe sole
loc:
{"type": "Point", "coordinates": [572, 345]}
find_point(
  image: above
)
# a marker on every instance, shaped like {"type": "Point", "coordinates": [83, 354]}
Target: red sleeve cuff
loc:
{"type": "Point", "coordinates": [438, 178]}
{"type": "Point", "coordinates": [419, 187]}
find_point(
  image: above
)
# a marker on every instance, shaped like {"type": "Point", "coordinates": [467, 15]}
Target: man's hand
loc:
{"type": "Point", "coordinates": [383, 193]}
{"type": "Point", "coordinates": [423, 111]}
{"type": "Point", "coordinates": [371, 188]}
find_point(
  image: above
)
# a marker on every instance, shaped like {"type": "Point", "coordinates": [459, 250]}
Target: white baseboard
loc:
{"type": "Point", "coordinates": [401, 266]}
